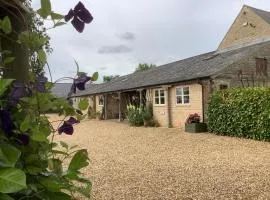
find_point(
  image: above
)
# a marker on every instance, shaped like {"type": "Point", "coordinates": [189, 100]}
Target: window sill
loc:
{"type": "Point", "coordinates": [183, 105]}
{"type": "Point", "coordinates": [159, 105]}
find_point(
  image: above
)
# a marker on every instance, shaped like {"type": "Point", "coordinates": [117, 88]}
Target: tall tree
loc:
{"type": "Point", "coordinates": [144, 67]}
{"type": "Point", "coordinates": [109, 78]}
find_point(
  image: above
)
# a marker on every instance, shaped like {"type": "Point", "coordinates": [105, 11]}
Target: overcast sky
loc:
{"type": "Point", "coordinates": [125, 33]}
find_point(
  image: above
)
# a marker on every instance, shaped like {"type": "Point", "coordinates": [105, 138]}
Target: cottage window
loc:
{"type": "Point", "coordinates": [182, 95]}
{"type": "Point", "coordinates": [160, 97]}
{"type": "Point", "coordinates": [100, 101]}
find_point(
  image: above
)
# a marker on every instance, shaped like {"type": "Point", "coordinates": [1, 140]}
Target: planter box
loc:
{"type": "Point", "coordinates": [196, 128]}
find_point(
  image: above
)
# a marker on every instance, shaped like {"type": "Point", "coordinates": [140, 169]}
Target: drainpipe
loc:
{"type": "Point", "coordinates": [167, 97]}
{"type": "Point", "coordinates": [105, 107]}
{"type": "Point", "coordinates": [120, 107]}
{"type": "Point", "coordinates": [203, 102]}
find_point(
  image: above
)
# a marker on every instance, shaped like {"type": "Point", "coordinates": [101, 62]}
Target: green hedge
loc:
{"type": "Point", "coordinates": [241, 112]}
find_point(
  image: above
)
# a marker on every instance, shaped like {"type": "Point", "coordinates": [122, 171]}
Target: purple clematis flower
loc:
{"type": "Point", "coordinates": [6, 122]}
{"type": "Point", "coordinates": [67, 126]}
{"type": "Point", "coordinates": [81, 81]}
{"type": "Point", "coordinates": [23, 139]}
{"type": "Point", "coordinates": [19, 90]}
{"type": "Point", "coordinates": [80, 15]}
{"type": "Point", "coordinates": [40, 84]}
{"type": "Point", "coordinates": [72, 121]}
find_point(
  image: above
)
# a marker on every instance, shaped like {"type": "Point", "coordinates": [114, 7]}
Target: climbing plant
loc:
{"type": "Point", "coordinates": [32, 164]}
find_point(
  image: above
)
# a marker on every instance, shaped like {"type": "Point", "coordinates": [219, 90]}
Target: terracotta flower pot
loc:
{"type": "Point", "coordinates": [146, 123]}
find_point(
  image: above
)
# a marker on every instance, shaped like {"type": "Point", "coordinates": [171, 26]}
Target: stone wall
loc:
{"type": "Point", "coordinates": [246, 28]}
{"type": "Point", "coordinates": [244, 72]}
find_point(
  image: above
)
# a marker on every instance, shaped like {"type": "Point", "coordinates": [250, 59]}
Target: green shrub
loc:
{"type": "Point", "coordinates": [147, 114]}
{"type": "Point", "coordinates": [241, 112]}
{"type": "Point", "coordinates": [134, 115]}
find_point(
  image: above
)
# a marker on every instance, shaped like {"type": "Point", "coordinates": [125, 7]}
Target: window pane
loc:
{"type": "Point", "coordinates": [186, 99]}
{"type": "Point", "coordinates": [162, 100]}
{"type": "Point", "coordinates": [186, 90]}
{"type": "Point", "coordinates": [156, 93]}
{"type": "Point", "coordinates": [179, 100]}
{"type": "Point", "coordinates": [178, 91]}
{"type": "Point", "coordinates": [156, 100]}
{"type": "Point", "coordinates": [162, 93]}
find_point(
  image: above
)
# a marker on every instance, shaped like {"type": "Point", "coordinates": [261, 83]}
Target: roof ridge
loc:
{"type": "Point", "coordinates": [256, 8]}
{"type": "Point", "coordinates": [263, 14]}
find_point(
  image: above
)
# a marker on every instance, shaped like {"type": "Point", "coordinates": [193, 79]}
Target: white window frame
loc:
{"type": "Point", "coordinates": [101, 105]}
{"type": "Point", "coordinates": [159, 97]}
{"type": "Point", "coordinates": [183, 95]}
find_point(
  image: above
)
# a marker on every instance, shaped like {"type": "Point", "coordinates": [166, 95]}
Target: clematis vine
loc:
{"type": "Point", "coordinates": [80, 16]}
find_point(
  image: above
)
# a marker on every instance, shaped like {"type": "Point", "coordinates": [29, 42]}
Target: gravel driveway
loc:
{"type": "Point", "coordinates": [160, 163]}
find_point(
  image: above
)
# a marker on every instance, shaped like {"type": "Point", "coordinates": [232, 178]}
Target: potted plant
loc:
{"type": "Point", "coordinates": [193, 124]}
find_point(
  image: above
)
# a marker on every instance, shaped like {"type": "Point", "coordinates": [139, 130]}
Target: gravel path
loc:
{"type": "Point", "coordinates": [160, 163]}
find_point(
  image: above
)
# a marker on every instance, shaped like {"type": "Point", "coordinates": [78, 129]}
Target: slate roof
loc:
{"type": "Point", "coordinates": [197, 67]}
{"type": "Point", "coordinates": [61, 90]}
{"type": "Point", "coordinates": [265, 15]}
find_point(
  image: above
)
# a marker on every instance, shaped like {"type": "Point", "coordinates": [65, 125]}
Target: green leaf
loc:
{"type": "Point", "coordinates": [12, 180]}
{"type": "Point", "coordinates": [55, 165]}
{"type": "Point", "coordinates": [79, 160]}
{"type": "Point", "coordinates": [42, 56]}
{"type": "Point", "coordinates": [46, 8]}
{"type": "Point", "coordinates": [59, 152]}
{"type": "Point", "coordinates": [85, 191]}
{"type": "Point", "coordinates": [4, 84]}
{"type": "Point", "coordinates": [5, 197]}
{"type": "Point", "coordinates": [9, 155]}
{"type": "Point", "coordinates": [26, 124]}
{"type": "Point", "coordinates": [56, 16]}
{"type": "Point", "coordinates": [54, 195]}
{"type": "Point", "coordinates": [51, 183]}
{"type": "Point", "coordinates": [6, 25]}
{"type": "Point", "coordinates": [32, 39]}
{"type": "Point", "coordinates": [63, 144]}
{"type": "Point", "coordinates": [59, 24]}
{"type": "Point", "coordinates": [95, 76]}
{"type": "Point", "coordinates": [8, 60]}
{"type": "Point", "coordinates": [39, 135]}
{"type": "Point", "coordinates": [33, 170]}
{"type": "Point", "coordinates": [83, 104]}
